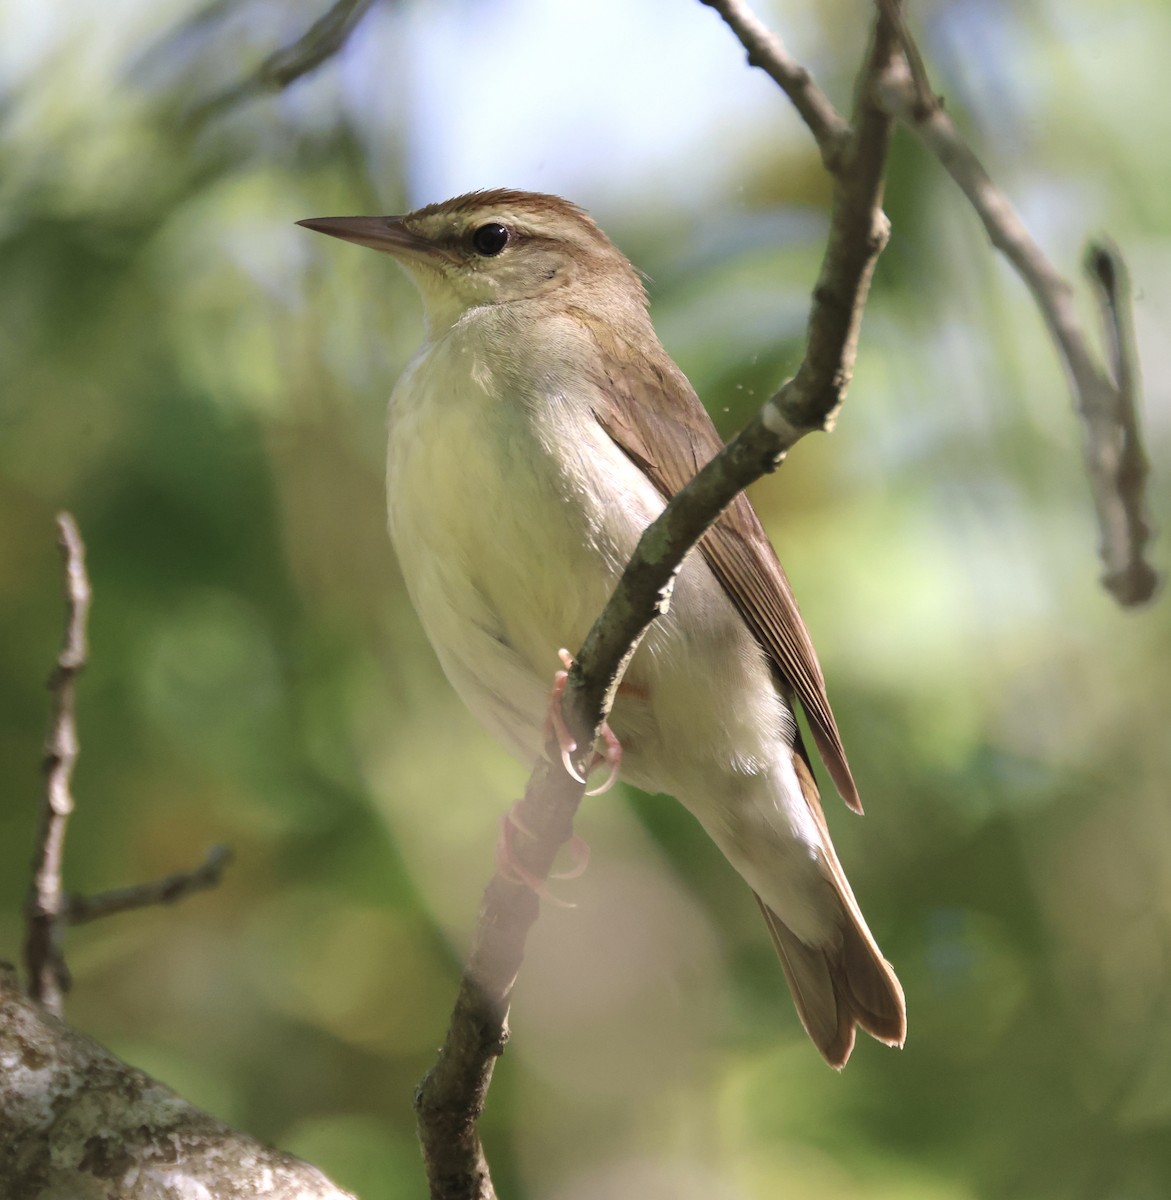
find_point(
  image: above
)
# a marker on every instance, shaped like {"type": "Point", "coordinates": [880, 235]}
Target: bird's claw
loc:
{"type": "Point", "coordinates": [579, 851]}
{"type": "Point", "coordinates": [510, 866]}
{"type": "Point", "coordinates": [611, 755]}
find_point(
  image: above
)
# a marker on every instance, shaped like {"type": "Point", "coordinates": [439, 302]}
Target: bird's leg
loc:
{"type": "Point", "coordinates": [611, 754]}
{"type": "Point", "coordinates": [510, 865]}
{"type": "Point", "coordinates": [555, 719]}
{"type": "Point", "coordinates": [511, 824]}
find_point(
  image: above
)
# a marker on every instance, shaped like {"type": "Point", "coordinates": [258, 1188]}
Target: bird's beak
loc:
{"type": "Point", "coordinates": [387, 234]}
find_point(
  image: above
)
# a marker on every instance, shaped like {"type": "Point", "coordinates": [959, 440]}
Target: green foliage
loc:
{"type": "Point", "coordinates": [202, 384]}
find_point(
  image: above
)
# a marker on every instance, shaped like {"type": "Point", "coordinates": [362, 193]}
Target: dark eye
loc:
{"type": "Point", "coordinates": [490, 239]}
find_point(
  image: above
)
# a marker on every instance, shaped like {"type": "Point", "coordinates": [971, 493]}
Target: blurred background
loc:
{"type": "Point", "coordinates": [203, 384]}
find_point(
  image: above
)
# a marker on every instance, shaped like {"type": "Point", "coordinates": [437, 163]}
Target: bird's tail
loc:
{"type": "Point", "coordinates": [838, 987]}
{"type": "Point", "coordinates": [845, 982]}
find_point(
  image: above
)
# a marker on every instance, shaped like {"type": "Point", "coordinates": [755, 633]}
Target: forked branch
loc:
{"type": "Point", "coordinates": [450, 1099]}
{"type": "Point", "coordinates": [48, 908]}
{"type": "Point", "coordinates": [1105, 394]}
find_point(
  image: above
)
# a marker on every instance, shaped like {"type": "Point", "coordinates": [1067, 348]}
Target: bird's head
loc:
{"type": "Point", "coordinates": [501, 247]}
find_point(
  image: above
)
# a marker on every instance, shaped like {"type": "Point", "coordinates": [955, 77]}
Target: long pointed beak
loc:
{"type": "Point", "coordinates": [387, 234]}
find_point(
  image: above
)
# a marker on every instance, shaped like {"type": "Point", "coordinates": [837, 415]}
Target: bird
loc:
{"type": "Point", "coordinates": [535, 433]}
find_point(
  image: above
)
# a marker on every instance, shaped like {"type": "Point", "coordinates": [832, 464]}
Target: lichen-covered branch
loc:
{"type": "Point", "coordinates": [450, 1099]}
{"type": "Point", "coordinates": [75, 1121]}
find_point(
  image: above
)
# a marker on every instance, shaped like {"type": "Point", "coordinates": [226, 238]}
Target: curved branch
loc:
{"type": "Point", "coordinates": [1106, 397]}
{"type": "Point", "coordinates": [765, 50]}
{"type": "Point", "coordinates": [320, 42]}
{"type": "Point", "coordinates": [48, 909]}
{"type": "Point", "coordinates": [451, 1097]}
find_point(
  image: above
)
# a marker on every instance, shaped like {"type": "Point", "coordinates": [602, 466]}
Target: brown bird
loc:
{"type": "Point", "coordinates": [536, 432]}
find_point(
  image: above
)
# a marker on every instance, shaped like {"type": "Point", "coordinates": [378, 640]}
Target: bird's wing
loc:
{"type": "Point", "coordinates": [650, 410]}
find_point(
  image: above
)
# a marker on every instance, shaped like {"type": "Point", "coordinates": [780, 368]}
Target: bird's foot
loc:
{"type": "Point", "coordinates": [611, 752]}
{"type": "Point", "coordinates": [579, 851]}
{"type": "Point", "coordinates": [509, 864]}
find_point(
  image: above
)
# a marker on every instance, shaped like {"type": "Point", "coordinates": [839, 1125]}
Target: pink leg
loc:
{"type": "Point", "coordinates": [510, 866]}
{"type": "Point", "coordinates": [611, 755]}
{"type": "Point", "coordinates": [556, 721]}
{"type": "Point", "coordinates": [579, 851]}
{"type": "Point", "coordinates": [511, 824]}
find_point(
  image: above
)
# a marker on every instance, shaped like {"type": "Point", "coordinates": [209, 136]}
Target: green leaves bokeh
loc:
{"type": "Point", "coordinates": [203, 385]}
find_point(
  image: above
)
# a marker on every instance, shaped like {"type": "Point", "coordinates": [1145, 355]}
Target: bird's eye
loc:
{"type": "Point", "coordinates": [490, 239]}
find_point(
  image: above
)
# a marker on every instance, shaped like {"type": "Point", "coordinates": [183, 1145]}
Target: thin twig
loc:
{"type": "Point", "coordinates": [451, 1097]}
{"type": "Point", "coordinates": [1105, 399]}
{"type": "Point", "coordinates": [321, 41]}
{"type": "Point", "coordinates": [1128, 577]}
{"type": "Point", "coordinates": [79, 909]}
{"type": "Point", "coordinates": [48, 909]}
{"type": "Point", "coordinates": [765, 50]}
{"type": "Point", "coordinates": [48, 976]}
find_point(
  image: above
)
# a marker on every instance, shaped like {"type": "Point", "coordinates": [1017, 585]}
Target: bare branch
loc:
{"type": "Point", "coordinates": [1106, 400]}
{"type": "Point", "coordinates": [806, 403]}
{"type": "Point", "coordinates": [324, 38]}
{"type": "Point", "coordinates": [450, 1099]}
{"type": "Point", "coordinates": [79, 1122]}
{"type": "Point", "coordinates": [48, 908]}
{"type": "Point", "coordinates": [1128, 576]}
{"type": "Point", "coordinates": [48, 976]}
{"type": "Point", "coordinates": [766, 51]}
{"type": "Point", "coordinates": [78, 909]}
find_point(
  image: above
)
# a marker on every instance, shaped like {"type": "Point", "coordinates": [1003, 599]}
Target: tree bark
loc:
{"type": "Point", "coordinates": [79, 1124]}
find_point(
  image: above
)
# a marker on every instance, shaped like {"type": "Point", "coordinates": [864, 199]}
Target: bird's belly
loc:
{"type": "Point", "coordinates": [511, 537]}
{"type": "Point", "coordinates": [502, 559]}
{"type": "Point", "coordinates": [512, 528]}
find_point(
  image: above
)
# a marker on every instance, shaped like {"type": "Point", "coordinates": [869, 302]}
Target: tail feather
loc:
{"type": "Point", "coordinates": [837, 988]}
{"type": "Point", "coordinates": [843, 984]}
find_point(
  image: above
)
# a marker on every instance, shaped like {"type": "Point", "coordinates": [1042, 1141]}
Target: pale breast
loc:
{"type": "Point", "coordinates": [513, 514]}
{"type": "Point", "coordinates": [497, 493]}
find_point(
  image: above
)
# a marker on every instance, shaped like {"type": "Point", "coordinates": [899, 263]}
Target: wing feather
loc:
{"type": "Point", "coordinates": [651, 411]}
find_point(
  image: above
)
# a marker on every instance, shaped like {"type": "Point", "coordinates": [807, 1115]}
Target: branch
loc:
{"type": "Point", "coordinates": [48, 908]}
{"type": "Point", "coordinates": [1126, 530]}
{"type": "Point", "coordinates": [451, 1097]}
{"type": "Point", "coordinates": [323, 39]}
{"type": "Point", "coordinates": [79, 909]}
{"type": "Point", "coordinates": [48, 977]}
{"type": "Point", "coordinates": [1106, 398]}
{"type": "Point", "coordinates": [78, 1122]}
{"type": "Point", "coordinates": [766, 51]}
{"type": "Point", "coordinates": [74, 1120]}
